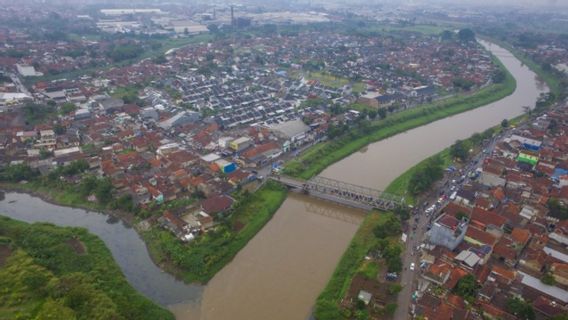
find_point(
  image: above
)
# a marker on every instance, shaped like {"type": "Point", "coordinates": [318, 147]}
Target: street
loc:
{"type": "Point", "coordinates": [420, 219]}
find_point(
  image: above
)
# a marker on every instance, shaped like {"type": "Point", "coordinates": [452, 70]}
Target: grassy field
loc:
{"type": "Point", "coordinates": [317, 158]}
{"type": "Point", "coordinates": [48, 272]}
{"type": "Point", "coordinates": [329, 80]}
{"type": "Point", "coordinates": [200, 260]}
{"type": "Point", "coordinates": [352, 261]}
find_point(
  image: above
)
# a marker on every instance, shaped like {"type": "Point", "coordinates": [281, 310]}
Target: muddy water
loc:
{"type": "Point", "coordinates": [281, 271]}
{"type": "Point", "coordinates": [279, 274]}
{"type": "Point", "coordinates": [385, 160]}
{"type": "Point", "coordinates": [128, 250]}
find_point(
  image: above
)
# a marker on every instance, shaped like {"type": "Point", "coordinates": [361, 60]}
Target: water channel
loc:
{"type": "Point", "coordinates": [279, 274]}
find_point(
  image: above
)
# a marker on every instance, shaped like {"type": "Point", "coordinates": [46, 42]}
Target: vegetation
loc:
{"type": "Point", "coordinates": [555, 81]}
{"type": "Point", "coordinates": [523, 310]}
{"type": "Point", "coordinates": [64, 273]}
{"type": "Point", "coordinates": [67, 108]}
{"type": "Point", "coordinates": [424, 176]}
{"type": "Point", "coordinates": [467, 287]}
{"type": "Point", "coordinates": [200, 260]}
{"type": "Point", "coordinates": [324, 154]}
{"type": "Point", "coordinates": [56, 186]}
{"type": "Point", "coordinates": [557, 210]}
{"type": "Point", "coordinates": [327, 304]}
{"type": "Point", "coordinates": [128, 95]}
{"type": "Point", "coordinates": [36, 113]}
{"type": "Point", "coordinates": [548, 279]}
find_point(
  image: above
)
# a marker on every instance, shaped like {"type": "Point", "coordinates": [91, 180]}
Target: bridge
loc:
{"type": "Point", "coordinates": [343, 193]}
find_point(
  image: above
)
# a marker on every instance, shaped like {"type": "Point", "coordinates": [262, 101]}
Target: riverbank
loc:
{"type": "Point", "coordinates": [328, 303]}
{"type": "Point", "coordinates": [58, 197]}
{"type": "Point", "coordinates": [200, 260]}
{"type": "Point", "coordinates": [551, 79]}
{"type": "Point", "coordinates": [322, 155]}
{"type": "Point", "coordinates": [41, 258]}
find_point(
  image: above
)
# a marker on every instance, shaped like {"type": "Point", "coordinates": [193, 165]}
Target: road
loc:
{"type": "Point", "coordinates": [418, 224]}
{"type": "Point", "coordinates": [21, 87]}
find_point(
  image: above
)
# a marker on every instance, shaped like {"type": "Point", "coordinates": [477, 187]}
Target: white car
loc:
{"type": "Point", "coordinates": [412, 266]}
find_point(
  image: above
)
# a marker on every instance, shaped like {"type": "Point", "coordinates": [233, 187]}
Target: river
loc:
{"type": "Point", "coordinates": [280, 272]}
{"type": "Point", "coordinates": [126, 247]}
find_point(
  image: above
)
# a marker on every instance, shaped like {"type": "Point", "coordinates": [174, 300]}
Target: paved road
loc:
{"type": "Point", "coordinates": [418, 225]}
{"type": "Point", "coordinates": [21, 87]}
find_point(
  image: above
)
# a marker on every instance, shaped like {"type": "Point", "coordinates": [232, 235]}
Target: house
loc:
{"type": "Point", "coordinates": [174, 223]}
{"type": "Point", "coordinates": [111, 105]}
{"type": "Point", "coordinates": [448, 231]}
{"type": "Point", "coordinates": [293, 132]}
{"type": "Point", "coordinates": [217, 204]}
{"type": "Point", "coordinates": [180, 119]}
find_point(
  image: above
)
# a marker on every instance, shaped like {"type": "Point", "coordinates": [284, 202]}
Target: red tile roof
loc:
{"type": "Point", "coordinates": [216, 204]}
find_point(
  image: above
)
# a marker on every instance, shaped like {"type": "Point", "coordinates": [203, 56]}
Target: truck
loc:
{"type": "Point", "coordinates": [453, 195]}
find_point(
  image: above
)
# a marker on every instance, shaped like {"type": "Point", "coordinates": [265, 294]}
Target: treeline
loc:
{"type": "Point", "coordinates": [64, 273]}
{"type": "Point", "coordinates": [423, 178]}
{"type": "Point", "coordinates": [56, 182]}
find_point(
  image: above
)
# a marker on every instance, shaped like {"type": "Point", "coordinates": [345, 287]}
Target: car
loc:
{"type": "Point", "coordinates": [412, 266]}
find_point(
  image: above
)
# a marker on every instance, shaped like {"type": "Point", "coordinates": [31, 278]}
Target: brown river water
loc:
{"type": "Point", "coordinates": [279, 274]}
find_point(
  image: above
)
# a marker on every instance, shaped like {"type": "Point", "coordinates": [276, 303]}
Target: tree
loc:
{"type": "Point", "coordinates": [466, 35]}
{"type": "Point", "coordinates": [389, 228]}
{"type": "Point", "coordinates": [67, 108]}
{"type": "Point", "coordinates": [460, 215]}
{"type": "Point", "coordinates": [521, 309]}
{"type": "Point", "coordinates": [213, 28]}
{"type": "Point", "coordinates": [548, 279]}
{"type": "Point", "coordinates": [504, 123]}
{"type": "Point", "coordinates": [390, 309]}
{"type": "Point", "coordinates": [459, 150]}
{"type": "Point", "coordinates": [394, 288]}
{"type": "Point", "coordinates": [59, 129]}
{"type": "Point", "coordinates": [382, 113]}
{"type": "Point", "coordinates": [52, 310]}
{"type": "Point", "coordinates": [557, 210]}
{"type": "Point", "coordinates": [103, 192]}
{"type": "Point", "coordinates": [499, 76]}
{"type": "Point", "coordinates": [446, 35]}
{"type": "Point", "coordinates": [466, 287]}
{"type": "Point", "coordinates": [17, 173]}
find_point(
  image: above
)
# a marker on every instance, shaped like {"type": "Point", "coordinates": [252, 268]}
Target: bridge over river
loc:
{"type": "Point", "coordinates": [343, 193]}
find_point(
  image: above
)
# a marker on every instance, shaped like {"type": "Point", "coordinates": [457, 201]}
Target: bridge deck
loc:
{"type": "Point", "coordinates": [343, 193]}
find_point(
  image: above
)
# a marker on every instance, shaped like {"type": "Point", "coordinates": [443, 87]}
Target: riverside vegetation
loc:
{"type": "Point", "coordinates": [201, 259]}
{"type": "Point", "coordinates": [350, 140]}
{"type": "Point", "coordinates": [49, 272]}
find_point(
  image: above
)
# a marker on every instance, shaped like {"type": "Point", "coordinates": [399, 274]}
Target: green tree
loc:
{"type": "Point", "coordinates": [459, 150]}
{"type": "Point", "coordinates": [390, 309]}
{"type": "Point", "coordinates": [466, 35]}
{"type": "Point", "coordinates": [382, 113]}
{"type": "Point", "coordinates": [521, 309]}
{"type": "Point", "coordinates": [466, 287]}
{"type": "Point", "coordinates": [548, 279]}
{"type": "Point", "coordinates": [504, 123]}
{"type": "Point", "coordinates": [557, 210]}
{"type": "Point", "coordinates": [52, 310]}
{"type": "Point", "coordinates": [394, 288]}
{"type": "Point", "coordinates": [67, 108]}
{"type": "Point", "coordinates": [446, 35]}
